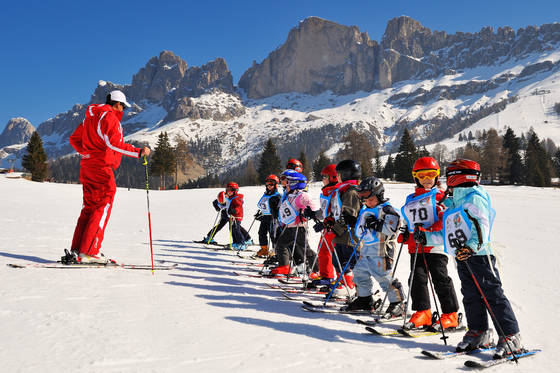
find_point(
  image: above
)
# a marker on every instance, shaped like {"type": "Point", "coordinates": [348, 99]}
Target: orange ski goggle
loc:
{"type": "Point", "coordinates": [425, 174]}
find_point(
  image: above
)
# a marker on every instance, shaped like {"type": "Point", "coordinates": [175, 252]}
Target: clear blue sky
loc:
{"type": "Point", "coordinates": [53, 53]}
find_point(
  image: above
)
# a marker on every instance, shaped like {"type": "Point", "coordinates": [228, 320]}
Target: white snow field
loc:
{"type": "Point", "coordinates": [200, 317]}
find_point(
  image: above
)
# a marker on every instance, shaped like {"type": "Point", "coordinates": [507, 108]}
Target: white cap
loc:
{"type": "Point", "coordinates": [119, 97]}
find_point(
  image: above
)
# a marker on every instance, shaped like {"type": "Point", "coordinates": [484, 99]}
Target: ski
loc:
{"type": "Point", "coordinates": [332, 308]}
{"type": "Point", "coordinates": [237, 273]}
{"type": "Point", "coordinates": [310, 297]}
{"type": "Point", "coordinates": [426, 332]}
{"type": "Point", "coordinates": [378, 319]}
{"type": "Point", "coordinates": [91, 265]}
{"type": "Point", "coordinates": [451, 354]}
{"type": "Point", "coordinates": [382, 332]}
{"type": "Point", "coordinates": [490, 363]}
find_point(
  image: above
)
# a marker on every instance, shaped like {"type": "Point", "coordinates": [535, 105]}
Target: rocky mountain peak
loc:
{"type": "Point", "coordinates": [318, 55]}
{"type": "Point", "coordinates": [159, 76]}
{"type": "Point", "coordinates": [18, 130]}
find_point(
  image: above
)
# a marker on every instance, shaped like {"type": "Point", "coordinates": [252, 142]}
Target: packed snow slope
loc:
{"type": "Point", "coordinates": [200, 317]}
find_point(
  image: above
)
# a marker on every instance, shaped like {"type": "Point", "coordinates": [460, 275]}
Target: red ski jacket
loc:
{"type": "Point", "coordinates": [438, 226]}
{"type": "Point", "coordinates": [235, 208]}
{"type": "Point", "coordinates": [99, 138]}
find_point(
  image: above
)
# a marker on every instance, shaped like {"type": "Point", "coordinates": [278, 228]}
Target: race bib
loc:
{"type": "Point", "coordinates": [368, 236]}
{"type": "Point", "coordinates": [264, 204]}
{"type": "Point", "coordinates": [421, 210]}
{"type": "Point", "coordinates": [287, 214]}
{"type": "Point", "coordinates": [456, 229]}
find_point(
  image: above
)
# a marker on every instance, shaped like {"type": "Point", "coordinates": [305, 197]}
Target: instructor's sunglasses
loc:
{"type": "Point", "coordinates": [425, 174]}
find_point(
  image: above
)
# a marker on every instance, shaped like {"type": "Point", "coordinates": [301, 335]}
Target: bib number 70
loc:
{"type": "Point", "coordinates": [422, 214]}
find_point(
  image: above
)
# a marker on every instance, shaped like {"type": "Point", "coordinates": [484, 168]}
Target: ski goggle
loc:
{"type": "Point", "coordinates": [425, 174]}
{"type": "Point", "coordinates": [363, 195]}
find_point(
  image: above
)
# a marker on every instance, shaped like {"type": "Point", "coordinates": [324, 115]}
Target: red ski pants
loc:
{"type": "Point", "coordinates": [324, 256]}
{"type": "Point", "coordinates": [99, 190]}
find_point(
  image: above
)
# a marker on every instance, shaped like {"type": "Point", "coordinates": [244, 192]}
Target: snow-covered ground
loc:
{"type": "Point", "coordinates": [199, 317]}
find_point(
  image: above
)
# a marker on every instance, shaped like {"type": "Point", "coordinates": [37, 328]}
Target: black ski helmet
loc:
{"type": "Point", "coordinates": [374, 186]}
{"type": "Point", "coordinates": [349, 170]}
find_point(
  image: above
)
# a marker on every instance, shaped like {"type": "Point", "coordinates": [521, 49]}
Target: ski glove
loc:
{"type": "Point", "coordinates": [373, 223]}
{"type": "Point", "coordinates": [405, 233]}
{"type": "Point", "coordinates": [308, 213]}
{"type": "Point", "coordinates": [463, 253]}
{"type": "Point", "coordinates": [259, 215]}
{"type": "Point", "coordinates": [348, 219]}
{"type": "Point", "coordinates": [419, 236]}
{"type": "Point", "coordinates": [318, 227]}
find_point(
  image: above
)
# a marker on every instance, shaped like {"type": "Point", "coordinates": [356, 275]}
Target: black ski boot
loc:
{"type": "Point", "coordinates": [360, 303]}
{"type": "Point", "coordinates": [69, 257]}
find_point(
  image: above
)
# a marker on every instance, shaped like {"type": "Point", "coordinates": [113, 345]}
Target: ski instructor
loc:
{"type": "Point", "coordinates": [99, 141]}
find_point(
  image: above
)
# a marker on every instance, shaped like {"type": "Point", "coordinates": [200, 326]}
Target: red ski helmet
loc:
{"type": "Point", "coordinates": [330, 171]}
{"type": "Point", "coordinates": [294, 164]}
{"type": "Point", "coordinates": [272, 178]}
{"type": "Point", "coordinates": [233, 186]}
{"type": "Point", "coordinates": [462, 171]}
{"type": "Point", "coordinates": [221, 197]}
{"type": "Point", "coordinates": [425, 167]}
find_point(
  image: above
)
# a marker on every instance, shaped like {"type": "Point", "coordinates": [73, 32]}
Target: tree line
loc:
{"type": "Point", "coordinates": [506, 159]}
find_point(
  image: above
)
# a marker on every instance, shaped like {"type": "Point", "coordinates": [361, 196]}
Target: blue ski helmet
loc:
{"type": "Point", "coordinates": [295, 179]}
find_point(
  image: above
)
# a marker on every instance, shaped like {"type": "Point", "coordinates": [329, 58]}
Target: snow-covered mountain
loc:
{"type": "Point", "coordinates": [435, 84]}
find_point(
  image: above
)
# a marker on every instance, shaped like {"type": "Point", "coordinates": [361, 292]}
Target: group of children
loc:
{"type": "Point", "coordinates": [359, 234]}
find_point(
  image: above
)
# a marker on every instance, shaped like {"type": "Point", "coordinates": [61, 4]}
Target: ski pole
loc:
{"type": "Point", "coordinates": [215, 227]}
{"type": "Point", "coordinates": [410, 280]}
{"type": "Point", "coordinates": [345, 268]}
{"type": "Point", "coordinates": [251, 226]}
{"type": "Point", "coordinates": [434, 295]}
{"type": "Point", "coordinates": [494, 319]}
{"type": "Point", "coordinates": [230, 233]}
{"type": "Point", "coordinates": [292, 254]}
{"type": "Point", "coordinates": [333, 250]}
{"type": "Point", "coordinates": [149, 215]}
{"type": "Point", "coordinates": [392, 279]}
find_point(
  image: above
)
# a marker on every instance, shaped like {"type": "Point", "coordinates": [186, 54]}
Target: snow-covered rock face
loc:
{"type": "Point", "coordinates": [435, 84]}
{"type": "Point", "coordinates": [18, 130]}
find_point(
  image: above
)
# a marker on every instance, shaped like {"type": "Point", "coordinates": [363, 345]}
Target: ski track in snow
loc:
{"type": "Point", "coordinates": [200, 317]}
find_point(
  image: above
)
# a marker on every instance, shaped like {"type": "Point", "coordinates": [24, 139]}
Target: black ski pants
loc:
{"type": "Point", "coordinates": [343, 252]}
{"type": "Point", "coordinates": [475, 310]}
{"type": "Point", "coordinates": [265, 229]}
{"type": "Point", "coordinates": [238, 233]}
{"type": "Point", "coordinates": [223, 221]}
{"type": "Point", "coordinates": [285, 244]}
{"type": "Point", "coordinates": [443, 284]}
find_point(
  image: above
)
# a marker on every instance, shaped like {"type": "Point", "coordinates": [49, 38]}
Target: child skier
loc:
{"type": "Point", "coordinates": [220, 206]}
{"type": "Point", "coordinates": [234, 207]}
{"type": "Point", "coordinates": [268, 207]}
{"type": "Point", "coordinates": [466, 231]}
{"type": "Point", "coordinates": [423, 208]}
{"type": "Point", "coordinates": [324, 253]}
{"type": "Point", "coordinates": [377, 224]}
{"type": "Point", "coordinates": [345, 207]}
{"type": "Point", "coordinates": [293, 234]}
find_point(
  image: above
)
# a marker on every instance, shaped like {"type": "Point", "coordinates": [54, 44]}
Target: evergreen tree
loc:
{"type": "Point", "coordinates": [269, 162]}
{"type": "Point", "coordinates": [35, 161]}
{"type": "Point", "coordinates": [537, 163]}
{"type": "Point", "coordinates": [460, 137]}
{"type": "Point", "coordinates": [492, 155]}
{"type": "Point", "coordinates": [182, 155]}
{"type": "Point", "coordinates": [470, 136]}
{"type": "Point", "coordinates": [423, 152]}
{"type": "Point", "coordinates": [405, 158]}
{"type": "Point", "coordinates": [306, 168]}
{"type": "Point", "coordinates": [513, 170]}
{"type": "Point", "coordinates": [389, 170]}
{"type": "Point", "coordinates": [358, 148]}
{"type": "Point", "coordinates": [440, 153]}
{"type": "Point", "coordinates": [378, 166]}
{"type": "Point", "coordinates": [556, 161]}
{"type": "Point", "coordinates": [163, 160]}
{"type": "Point", "coordinates": [321, 162]}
